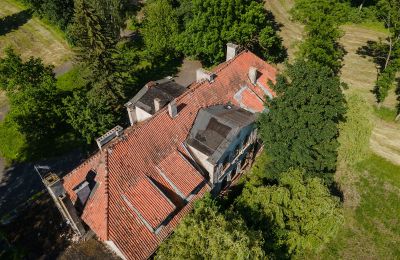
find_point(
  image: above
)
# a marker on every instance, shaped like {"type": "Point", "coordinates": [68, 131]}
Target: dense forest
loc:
{"type": "Point", "coordinates": [288, 206]}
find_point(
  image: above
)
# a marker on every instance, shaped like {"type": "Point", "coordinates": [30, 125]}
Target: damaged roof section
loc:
{"type": "Point", "coordinates": [164, 90]}
{"type": "Point", "coordinates": [216, 127]}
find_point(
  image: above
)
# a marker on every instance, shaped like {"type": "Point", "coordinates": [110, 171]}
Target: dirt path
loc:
{"type": "Point", "coordinates": [291, 32]}
{"type": "Point", "coordinates": [359, 72]}
{"type": "Point", "coordinates": [385, 141]}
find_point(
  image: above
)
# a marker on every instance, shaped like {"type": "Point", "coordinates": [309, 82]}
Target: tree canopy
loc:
{"type": "Point", "coordinates": [57, 12]}
{"type": "Point", "coordinates": [299, 212]}
{"type": "Point", "coordinates": [35, 102]}
{"type": "Point", "coordinates": [301, 128]}
{"type": "Point", "coordinates": [322, 33]}
{"type": "Point", "coordinates": [160, 28]}
{"type": "Point", "coordinates": [389, 14]}
{"type": "Point", "coordinates": [208, 234]}
{"type": "Point", "coordinates": [210, 24]}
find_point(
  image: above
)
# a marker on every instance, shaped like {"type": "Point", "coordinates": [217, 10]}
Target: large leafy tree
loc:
{"type": "Point", "coordinates": [301, 129]}
{"type": "Point", "coordinates": [58, 12]}
{"type": "Point", "coordinates": [90, 113]}
{"type": "Point", "coordinates": [389, 14]}
{"type": "Point", "coordinates": [35, 102]}
{"type": "Point", "coordinates": [299, 213]}
{"type": "Point", "coordinates": [210, 24]}
{"type": "Point", "coordinates": [160, 28]}
{"type": "Point", "coordinates": [208, 234]}
{"type": "Point", "coordinates": [322, 32]}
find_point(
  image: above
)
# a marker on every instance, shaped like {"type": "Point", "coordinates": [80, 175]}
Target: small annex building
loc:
{"type": "Point", "coordinates": [144, 179]}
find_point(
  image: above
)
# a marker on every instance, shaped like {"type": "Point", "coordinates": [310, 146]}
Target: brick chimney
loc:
{"type": "Point", "coordinates": [253, 75]}
{"type": "Point", "coordinates": [157, 104]}
{"type": "Point", "coordinates": [172, 109]}
{"type": "Point", "coordinates": [231, 51]}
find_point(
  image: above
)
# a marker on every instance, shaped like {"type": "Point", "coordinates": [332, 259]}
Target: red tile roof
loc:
{"type": "Point", "coordinates": [185, 178]}
{"type": "Point", "coordinates": [142, 173]}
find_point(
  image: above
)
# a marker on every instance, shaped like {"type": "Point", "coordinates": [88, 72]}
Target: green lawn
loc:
{"type": "Point", "coordinates": [372, 229]}
{"type": "Point", "coordinates": [73, 79]}
{"type": "Point", "coordinates": [385, 113]}
{"type": "Point", "coordinates": [30, 36]}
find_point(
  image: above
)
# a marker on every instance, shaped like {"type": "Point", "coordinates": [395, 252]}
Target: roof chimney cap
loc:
{"type": "Point", "coordinates": [110, 135]}
{"type": "Point", "coordinates": [253, 75]}
{"type": "Point", "coordinates": [157, 104]}
{"type": "Point", "coordinates": [231, 51]}
{"type": "Point", "coordinates": [202, 74]}
{"type": "Point", "coordinates": [172, 109]}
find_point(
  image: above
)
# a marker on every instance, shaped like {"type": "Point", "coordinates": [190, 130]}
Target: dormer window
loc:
{"type": "Point", "coordinates": [85, 190]}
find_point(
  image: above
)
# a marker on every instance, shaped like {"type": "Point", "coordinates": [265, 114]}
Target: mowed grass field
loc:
{"type": "Point", "coordinates": [372, 186]}
{"type": "Point", "coordinates": [29, 36]}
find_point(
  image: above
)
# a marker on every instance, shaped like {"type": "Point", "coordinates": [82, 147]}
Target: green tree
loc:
{"type": "Point", "coordinates": [213, 23]}
{"type": "Point", "coordinates": [90, 113]}
{"type": "Point", "coordinates": [160, 28]}
{"type": "Point", "coordinates": [299, 212]}
{"type": "Point", "coordinates": [389, 14]}
{"type": "Point", "coordinates": [94, 32]}
{"type": "Point", "coordinates": [98, 106]}
{"type": "Point", "coordinates": [208, 234]}
{"type": "Point", "coordinates": [35, 102]}
{"type": "Point", "coordinates": [322, 33]}
{"type": "Point", "coordinates": [58, 12]}
{"type": "Point", "coordinates": [301, 129]}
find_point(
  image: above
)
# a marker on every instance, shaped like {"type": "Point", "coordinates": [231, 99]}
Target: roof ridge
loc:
{"type": "Point", "coordinates": [106, 192]}
{"type": "Point", "coordinates": [86, 162]}
{"type": "Point", "coordinates": [131, 130]}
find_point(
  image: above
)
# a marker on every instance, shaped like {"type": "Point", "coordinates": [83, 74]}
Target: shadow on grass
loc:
{"type": "Point", "coordinates": [14, 21]}
{"type": "Point", "coordinates": [375, 50]}
{"type": "Point", "coordinates": [398, 99]}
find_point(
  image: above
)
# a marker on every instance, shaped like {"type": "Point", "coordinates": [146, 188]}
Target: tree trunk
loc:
{"type": "Point", "coordinates": [390, 52]}
{"type": "Point", "coordinates": [361, 5]}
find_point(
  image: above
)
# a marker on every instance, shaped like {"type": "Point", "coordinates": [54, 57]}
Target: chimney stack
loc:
{"type": "Point", "coordinates": [231, 51]}
{"type": "Point", "coordinates": [253, 75]}
{"type": "Point", "coordinates": [157, 104]}
{"type": "Point", "coordinates": [131, 113]}
{"type": "Point", "coordinates": [172, 109]}
{"type": "Point", "coordinates": [202, 74]}
{"type": "Point", "coordinates": [110, 135]}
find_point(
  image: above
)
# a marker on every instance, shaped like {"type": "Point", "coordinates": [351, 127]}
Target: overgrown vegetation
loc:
{"type": "Point", "coordinates": [57, 12]}
{"type": "Point", "coordinates": [322, 33]}
{"type": "Point", "coordinates": [208, 233]}
{"type": "Point", "coordinates": [324, 17]}
{"type": "Point", "coordinates": [302, 128]}
{"type": "Point", "coordinates": [210, 24]}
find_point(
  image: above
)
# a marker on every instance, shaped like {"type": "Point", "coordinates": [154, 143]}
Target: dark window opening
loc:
{"type": "Point", "coordinates": [85, 190]}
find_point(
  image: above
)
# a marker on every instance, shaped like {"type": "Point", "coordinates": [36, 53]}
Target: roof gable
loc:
{"type": "Point", "coordinates": [131, 164]}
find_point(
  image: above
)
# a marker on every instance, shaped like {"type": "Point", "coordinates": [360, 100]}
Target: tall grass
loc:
{"type": "Point", "coordinates": [355, 132]}
{"type": "Point", "coordinates": [12, 142]}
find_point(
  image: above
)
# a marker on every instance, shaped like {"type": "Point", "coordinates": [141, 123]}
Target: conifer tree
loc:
{"type": "Point", "coordinates": [301, 129]}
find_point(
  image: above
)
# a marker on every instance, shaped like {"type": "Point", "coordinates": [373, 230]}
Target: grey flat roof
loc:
{"type": "Point", "coordinates": [166, 90]}
{"type": "Point", "coordinates": [215, 128]}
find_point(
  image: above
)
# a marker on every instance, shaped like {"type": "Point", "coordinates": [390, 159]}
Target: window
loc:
{"type": "Point", "coordinates": [246, 140]}
{"type": "Point", "coordinates": [237, 150]}
{"type": "Point", "coordinates": [225, 162]}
